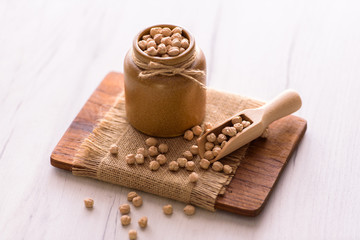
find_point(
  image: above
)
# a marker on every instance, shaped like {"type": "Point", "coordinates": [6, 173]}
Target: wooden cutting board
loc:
{"type": "Point", "coordinates": [254, 179]}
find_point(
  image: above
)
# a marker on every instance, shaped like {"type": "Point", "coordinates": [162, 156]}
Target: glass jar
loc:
{"type": "Point", "coordinates": [165, 105]}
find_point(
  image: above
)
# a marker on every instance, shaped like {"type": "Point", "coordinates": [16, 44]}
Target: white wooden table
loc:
{"type": "Point", "coordinates": [54, 53]}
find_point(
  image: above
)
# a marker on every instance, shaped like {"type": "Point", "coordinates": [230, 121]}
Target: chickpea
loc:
{"type": "Point", "coordinates": [137, 201]}
{"type": "Point", "coordinates": [223, 144]}
{"type": "Point", "coordinates": [229, 131]}
{"type": "Point", "coordinates": [168, 209]}
{"type": "Point", "coordinates": [166, 41]}
{"type": "Point", "coordinates": [177, 30]}
{"type": "Point", "coordinates": [173, 166]}
{"type": "Point", "coordinates": [125, 220]}
{"type": "Point", "coordinates": [194, 149]}
{"type": "Point", "coordinates": [142, 45]}
{"type": "Point", "coordinates": [131, 196]}
{"type": "Point", "coordinates": [209, 146]}
{"type": "Point", "coordinates": [189, 210]}
{"type": "Point", "coordinates": [130, 159]}
{"type": "Point", "coordinates": [188, 155]}
{"type": "Point", "coordinates": [236, 119]}
{"type": "Point", "coordinates": [158, 38]}
{"type": "Point", "coordinates": [173, 51]}
{"type": "Point", "coordinates": [139, 158]}
{"type": "Point", "coordinates": [188, 135]}
{"type": "Point", "coordinates": [161, 159]}
{"type": "Point", "coordinates": [155, 30]}
{"type": "Point", "coordinates": [176, 43]}
{"type": "Point", "coordinates": [208, 125]}
{"type": "Point", "coordinates": [165, 55]}
{"type": "Point", "coordinates": [89, 202]}
{"type": "Point", "coordinates": [209, 155]}
{"type": "Point", "coordinates": [150, 44]}
{"type": "Point", "coordinates": [204, 163]}
{"type": "Point", "coordinates": [227, 169]}
{"type": "Point", "coordinates": [151, 142]}
{"type": "Point", "coordinates": [114, 149]}
{"type": "Point", "coordinates": [197, 130]}
{"type": "Point", "coordinates": [151, 51]}
{"type": "Point", "coordinates": [154, 165]}
{"type": "Point", "coordinates": [163, 148]}
{"type": "Point", "coordinates": [143, 151]}
{"type": "Point", "coordinates": [166, 31]}
{"type": "Point", "coordinates": [216, 150]}
{"type": "Point", "coordinates": [143, 222]}
{"type": "Point", "coordinates": [161, 49]}
{"type": "Point", "coordinates": [145, 37]}
{"type": "Point", "coordinates": [221, 137]}
{"type": "Point", "coordinates": [132, 234]}
{"type": "Point", "coordinates": [239, 127]}
{"type": "Point", "coordinates": [217, 166]}
{"type": "Point", "coordinates": [211, 137]}
{"type": "Point", "coordinates": [193, 177]}
{"type": "Point", "coordinates": [185, 43]}
{"type": "Point", "coordinates": [124, 209]}
{"type": "Point", "coordinates": [181, 50]}
{"type": "Point", "coordinates": [153, 151]}
{"type": "Point", "coordinates": [245, 123]}
{"type": "Point", "coordinates": [190, 166]}
{"type": "Point", "coordinates": [149, 39]}
{"type": "Point", "coordinates": [181, 162]}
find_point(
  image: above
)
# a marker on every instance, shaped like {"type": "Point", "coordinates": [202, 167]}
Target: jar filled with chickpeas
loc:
{"type": "Point", "coordinates": [165, 77]}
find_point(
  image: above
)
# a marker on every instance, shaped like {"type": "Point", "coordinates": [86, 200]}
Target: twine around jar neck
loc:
{"type": "Point", "coordinates": [155, 68]}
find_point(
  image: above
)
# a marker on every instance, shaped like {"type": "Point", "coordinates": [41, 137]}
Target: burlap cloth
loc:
{"type": "Point", "coordinates": [94, 160]}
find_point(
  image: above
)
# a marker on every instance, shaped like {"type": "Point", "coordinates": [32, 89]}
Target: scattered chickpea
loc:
{"type": "Point", "coordinates": [188, 155]}
{"type": "Point", "coordinates": [143, 151]}
{"type": "Point", "coordinates": [209, 146]}
{"type": "Point", "coordinates": [158, 38]}
{"type": "Point", "coordinates": [142, 45]}
{"type": "Point", "coordinates": [227, 169]}
{"type": "Point", "coordinates": [188, 135]}
{"type": "Point", "coordinates": [182, 162]}
{"type": "Point", "coordinates": [209, 155]}
{"type": "Point", "coordinates": [114, 149]}
{"type": "Point", "coordinates": [229, 131]}
{"type": "Point", "coordinates": [265, 134]}
{"type": "Point", "coordinates": [190, 166]}
{"type": "Point", "coordinates": [173, 51]}
{"type": "Point", "coordinates": [131, 196]}
{"type": "Point", "coordinates": [236, 119]}
{"type": "Point", "coordinates": [161, 49]}
{"type": "Point", "coordinates": [197, 130]}
{"type": "Point", "coordinates": [124, 208]}
{"type": "Point", "coordinates": [168, 209]}
{"type": "Point", "coordinates": [239, 127]}
{"type": "Point", "coordinates": [130, 159]}
{"type": "Point", "coordinates": [137, 201]}
{"type": "Point", "coordinates": [221, 137]}
{"type": "Point", "coordinates": [177, 30]}
{"type": "Point", "coordinates": [151, 142]}
{"type": "Point", "coordinates": [211, 137]}
{"type": "Point", "coordinates": [166, 31]}
{"type": "Point", "coordinates": [151, 51]}
{"type": "Point", "coordinates": [208, 126]}
{"type": "Point", "coordinates": [163, 148]}
{"type": "Point", "coordinates": [185, 43]}
{"type": "Point", "coordinates": [193, 177]}
{"type": "Point", "coordinates": [145, 37]}
{"type": "Point", "coordinates": [173, 166]}
{"type": "Point", "coordinates": [132, 234]}
{"type": "Point", "coordinates": [161, 159]}
{"type": "Point", "coordinates": [194, 149]}
{"type": "Point", "coordinates": [245, 123]}
{"type": "Point", "coordinates": [155, 30]}
{"type": "Point", "coordinates": [204, 163]}
{"type": "Point", "coordinates": [189, 210]}
{"type": "Point", "coordinates": [217, 166]}
{"type": "Point", "coordinates": [89, 202]}
{"type": "Point", "coordinates": [153, 151]}
{"type": "Point", "coordinates": [139, 158]}
{"type": "Point", "coordinates": [143, 222]}
{"type": "Point", "coordinates": [216, 150]}
{"type": "Point", "coordinates": [125, 220]}
{"type": "Point", "coordinates": [154, 165]}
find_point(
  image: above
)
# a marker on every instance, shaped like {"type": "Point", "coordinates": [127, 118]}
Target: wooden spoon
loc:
{"type": "Point", "coordinates": [284, 104]}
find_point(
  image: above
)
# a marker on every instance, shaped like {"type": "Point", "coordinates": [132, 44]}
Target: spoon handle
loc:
{"type": "Point", "coordinates": [284, 104]}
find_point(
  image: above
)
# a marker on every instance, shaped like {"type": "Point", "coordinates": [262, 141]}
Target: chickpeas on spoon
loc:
{"type": "Point", "coordinates": [254, 124]}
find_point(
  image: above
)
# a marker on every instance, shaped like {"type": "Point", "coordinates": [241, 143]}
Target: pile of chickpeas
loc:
{"type": "Point", "coordinates": [164, 42]}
